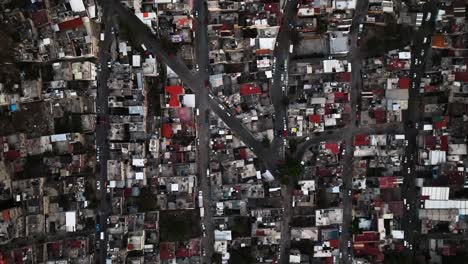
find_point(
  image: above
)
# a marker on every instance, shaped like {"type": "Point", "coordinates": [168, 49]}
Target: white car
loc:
{"type": "Point", "coordinates": [428, 16]}
{"type": "Point", "coordinates": [409, 170]}
{"type": "Point", "coordinates": [98, 185]}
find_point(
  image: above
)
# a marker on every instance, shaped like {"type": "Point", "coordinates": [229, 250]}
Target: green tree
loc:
{"type": "Point", "coordinates": [291, 170]}
{"type": "Point", "coordinates": [266, 141]}
{"type": "Point", "coordinates": [168, 45]}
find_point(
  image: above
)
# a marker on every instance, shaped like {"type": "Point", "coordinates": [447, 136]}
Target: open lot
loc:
{"type": "Point", "coordinates": [179, 225]}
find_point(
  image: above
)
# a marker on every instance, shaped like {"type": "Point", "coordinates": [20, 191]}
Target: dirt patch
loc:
{"type": "Point", "coordinates": [32, 120]}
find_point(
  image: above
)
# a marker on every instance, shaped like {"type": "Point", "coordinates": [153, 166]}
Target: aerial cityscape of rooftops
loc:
{"type": "Point", "coordinates": [233, 132]}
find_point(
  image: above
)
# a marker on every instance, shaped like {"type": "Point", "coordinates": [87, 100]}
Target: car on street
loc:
{"type": "Point", "coordinates": [428, 16]}
{"type": "Point", "coordinates": [98, 185]}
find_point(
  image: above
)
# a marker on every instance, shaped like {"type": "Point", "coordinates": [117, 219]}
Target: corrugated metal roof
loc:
{"type": "Point", "coordinates": [436, 193]}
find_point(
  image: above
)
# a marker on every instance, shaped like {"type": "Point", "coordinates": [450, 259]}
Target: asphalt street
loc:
{"type": "Point", "coordinates": [278, 92]}
{"type": "Point", "coordinates": [102, 128]}
{"type": "Point", "coordinates": [413, 116]}
{"type": "Point", "coordinates": [200, 12]}
{"type": "Point", "coordinates": [279, 88]}
{"type": "Point", "coordinates": [356, 87]}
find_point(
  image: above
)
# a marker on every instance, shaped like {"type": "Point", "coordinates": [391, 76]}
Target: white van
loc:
{"type": "Point", "coordinates": [102, 235]}
{"type": "Point", "coordinates": [291, 48]}
{"type": "Point", "coordinates": [202, 212]}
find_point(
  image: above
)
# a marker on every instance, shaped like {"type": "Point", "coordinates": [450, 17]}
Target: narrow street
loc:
{"type": "Point", "coordinates": [102, 127]}
{"type": "Point", "coordinates": [279, 87]}
{"type": "Point", "coordinates": [413, 116]}
{"type": "Point", "coordinates": [355, 59]}
{"type": "Point", "coordinates": [278, 92]}
{"type": "Point", "coordinates": [200, 12]}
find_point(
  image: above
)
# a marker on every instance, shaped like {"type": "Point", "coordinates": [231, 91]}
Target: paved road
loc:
{"type": "Point", "coordinates": [102, 128]}
{"type": "Point", "coordinates": [279, 88]}
{"type": "Point", "coordinates": [278, 94]}
{"type": "Point", "coordinates": [356, 86]}
{"type": "Point", "coordinates": [203, 128]}
{"type": "Point", "coordinates": [142, 34]}
{"type": "Point", "coordinates": [410, 220]}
